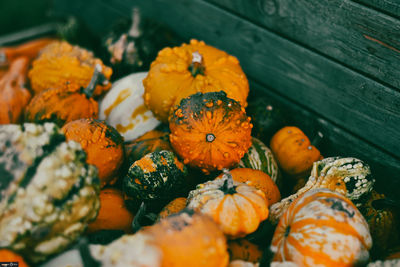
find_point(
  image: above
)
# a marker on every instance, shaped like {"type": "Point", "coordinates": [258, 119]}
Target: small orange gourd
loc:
{"type": "Point", "coordinates": [7, 255]}
{"type": "Point", "coordinates": [237, 207]}
{"type": "Point", "coordinates": [196, 67]}
{"type": "Point", "coordinates": [259, 179]}
{"type": "Point", "coordinates": [61, 106]}
{"type": "Point", "coordinates": [242, 249]}
{"type": "Point", "coordinates": [113, 214]}
{"type": "Point", "coordinates": [175, 206]}
{"type": "Point", "coordinates": [102, 144]}
{"type": "Point", "coordinates": [210, 131]}
{"type": "Point", "coordinates": [189, 239]}
{"type": "Point", "coordinates": [293, 150]}
{"type": "Point", "coordinates": [14, 97]}
{"type": "Point", "coordinates": [66, 67]}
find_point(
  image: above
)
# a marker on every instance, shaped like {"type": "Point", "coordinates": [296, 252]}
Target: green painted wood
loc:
{"type": "Point", "coordinates": [361, 38]}
{"type": "Point", "coordinates": [391, 7]}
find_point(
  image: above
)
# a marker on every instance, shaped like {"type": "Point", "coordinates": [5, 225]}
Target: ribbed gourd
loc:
{"type": "Point", "coordinates": [48, 193]}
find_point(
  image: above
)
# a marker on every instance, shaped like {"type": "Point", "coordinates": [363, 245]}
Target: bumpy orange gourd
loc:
{"type": "Point", "coordinates": [172, 207]}
{"type": "Point", "coordinates": [242, 249]}
{"type": "Point", "coordinates": [14, 97]}
{"type": "Point", "coordinates": [259, 180]}
{"type": "Point", "coordinates": [210, 131]}
{"type": "Point", "coordinates": [62, 106]}
{"type": "Point", "coordinates": [113, 214]}
{"type": "Point", "coordinates": [322, 228]}
{"type": "Point", "coordinates": [61, 65]}
{"type": "Point", "coordinates": [7, 255]}
{"type": "Point", "coordinates": [293, 150]}
{"type": "Point", "coordinates": [236, 207]}
{"type": "Point", "coordinates": [196, 67]}
{"type": "Point", "coordinates": [190, 239]}
{"type": "Point", "coordinates": [102, 144]}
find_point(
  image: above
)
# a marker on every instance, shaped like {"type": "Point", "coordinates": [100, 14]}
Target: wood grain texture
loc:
{"type": "Point", "coordinates": [359, 37]}
{"type": "Point", "coordinates": [391, 7]}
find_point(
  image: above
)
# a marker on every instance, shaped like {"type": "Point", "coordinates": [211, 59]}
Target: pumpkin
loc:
{"type": "Point", "coordinates": [385, 263]}
{"type": "Point", "coordinates": [158, 175]}
{"type": "Point", "coordinates": [236, 207]}
{"type": "Point", "coordinates": [242, 249]}
{"type": "Point", "coordinates": [293, 151]}
{"type": "Point", "coordinates": [7, 255]}
{"type": "Point", "coordinates": [260, 157]}
{"type": "Point", "coordinates": [48, 192]}
{"type": "Point", "coordinates": [322, 228]}
{"type": "Point", "coordinates": [350, 177]}
{"type": "Point", "coordinates": [210, 131]}
{"type": "Point", "coordinates": [66, 67]}
{"type": "Point", "coordinates": [267, 117]}
{"type": "Point", "coordinates": [13, 94]}
{"type": "Point", "coordinates": [62, 106]}
{"type": "Point", "coordinates": [102, 144]}
{"type": "Point", "coordinates": [189, 239]}
{"type": "Point", "coordinates": [175, 206]}
{"type": "Point", "coordinates": [182, 71]}
{"type": "Point", "coordinates": [113, 215]}
{"type": "Point", "coordinates": [27, 50]}
{"type": "Point", "coordinates": [382, 221]}
{"type": "Point", "coordinates": [123, 108]}
{"type": "Point", "coordinates": [149, 142]}
{"type": "Point", "coordinates": [133, 43]}
{"type": "Point", "coordinates": [259, 180]}
{"type": "Point", "coordinates": [240, 263]}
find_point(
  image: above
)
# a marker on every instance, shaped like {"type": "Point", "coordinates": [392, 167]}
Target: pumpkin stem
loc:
{"type": "Point", "coordinates": [228, 186]}
{"type": "Point", "coordinates": [197, 66]}
{"type": "Point", "coordinates": [97, 78]}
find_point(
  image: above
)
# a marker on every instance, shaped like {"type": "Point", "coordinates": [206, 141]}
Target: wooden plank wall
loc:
{"type": "Point", "coordinates": [336, 62]}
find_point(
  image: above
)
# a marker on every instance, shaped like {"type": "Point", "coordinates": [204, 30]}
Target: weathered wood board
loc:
{"type": "Point", "coordinates": [391, 7]}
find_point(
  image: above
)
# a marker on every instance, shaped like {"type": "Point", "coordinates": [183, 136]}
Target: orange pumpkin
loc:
{"type": "Point", "coordinates": [13, 95]}
{"type": "Point", "coordinates": [210, 131]}
{"type": "Point", "coordinates": [242, 249]}
{"type": "Point", "coordinates": [322, 228]}
{"type": "Point", "coordinates": [189, 239]}
{"type": "Point", "coordinates": [61, 106]}
{"type": "Point", "coordinates": [172, 207]}
{"type": "Point", "coordinates": [66, 67]}
{"type": "Point", "coordinates": [293, 150]}
{"type": "Point", "coordinates": [196, 67]}
{"type": "Point", "coordinates": [259, 180]}
{"type": "Point", "coordinates": [102, 144]}
{"type": "Point", "coordinates": [7, 255]}
{"type": "Point", "coordinates": [241, 263]}
{"type": "Point", "coordinates": [113, 215]}
{"type": "Point", "coordinates": [237, 207]}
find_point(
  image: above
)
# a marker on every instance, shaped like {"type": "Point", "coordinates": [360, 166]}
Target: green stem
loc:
{"type": "Point", "coordinates": [197, 66]}
{"type": "Point", "coordinates": [97, 78]}
{"type": "Point", "coordinates": [228, 187]}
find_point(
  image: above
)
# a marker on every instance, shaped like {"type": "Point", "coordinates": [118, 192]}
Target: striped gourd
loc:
{"type": "Point", "coordinates": [259, 157]}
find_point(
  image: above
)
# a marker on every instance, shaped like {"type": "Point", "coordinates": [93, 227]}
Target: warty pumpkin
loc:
{"type": "Point", "coordinates": [102, 144]}
{"type": "Point", "coordinates": [189, 239]}
{"type": "Point", "coordinates": [67, 67]}
{"type": "Point", "coordinates": [113, 215]}
{"type": "Point", "coordinates": [149, 142]}
{"type": "Point", "coordinates": [196, 67]}
{"type": "Point", "coordinates": [322, 228]}
{"type": "Point", "coordinates": [48, 193]}
{"type": "Point", "coordinates": [123, 108]}
{"type": "Point", "coordinates": [293, 151]}
{"type": "Point", "coordinates": [260, 180]}
{"type": "Point", "coordinates": [210, 131]}
{"type": "Point", "coordinates": [350, 177]}
{"type": "Point", "coordinates": [242, 249]}
{"type": "Point", "coordinates": [61, 106]}
{"type": "Point", "coordinates": [175, 206]}
{"type": "Point", "coordinates": [7, 255]}
{"type": "Point", "coordinates": [236, 207]}
{"type": "Point", "coordinates": [14, 96]}
{"type": "Point", "coordinates": [241, 263]}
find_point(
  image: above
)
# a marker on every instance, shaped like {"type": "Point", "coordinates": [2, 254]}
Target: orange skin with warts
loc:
{"type": "Point", "coordinates": [242, 249]}
{"type": "Point", "coordinates": [212, 115]}
{"type": "Point", "coordinates": [102, 144]}
{"type": "Point", "coordinates": [172, 207]}
{"type": "Point", "coordinates": [7, 255]}
{"type": "Point", "coordinates": [62, 65]}
{"type": "Point", "coordinates": [113, 214]}
{"type": "Point", "coordinates": [259, 180]}
{"type": "Point", "coordinates": [293, 150]}
{"type": "Point", "coordinates": [169, 79]}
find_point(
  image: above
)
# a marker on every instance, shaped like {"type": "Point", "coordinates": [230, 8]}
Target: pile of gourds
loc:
{"type": "Point", "coordinates": [166, 168]}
